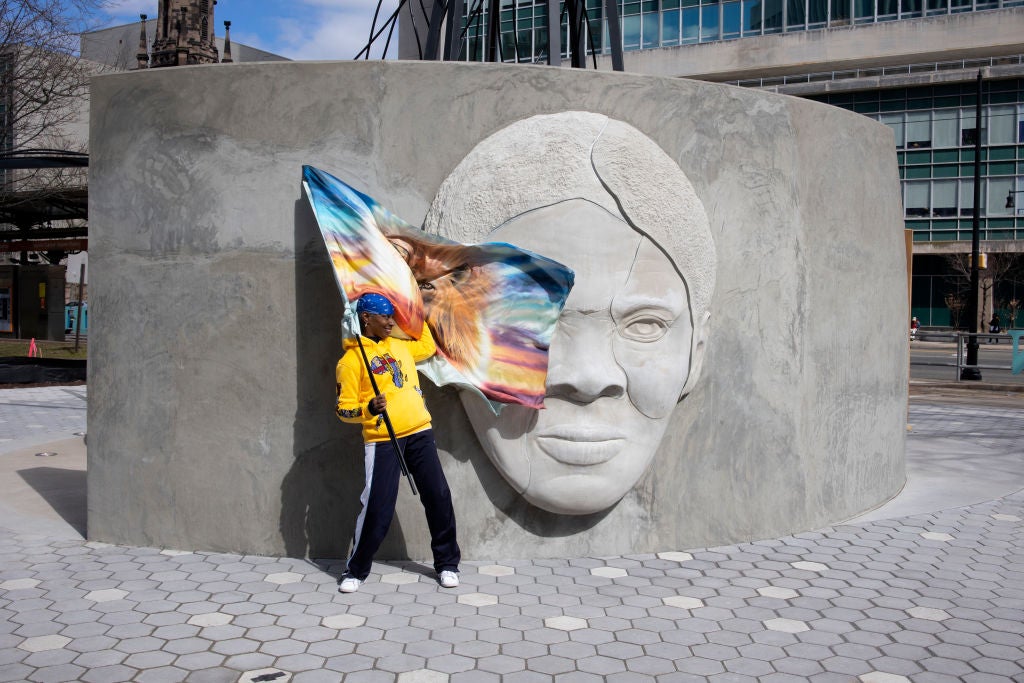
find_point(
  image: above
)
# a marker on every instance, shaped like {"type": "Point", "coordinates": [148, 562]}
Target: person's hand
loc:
{"type": "Point", "coordinates": [377, 405]}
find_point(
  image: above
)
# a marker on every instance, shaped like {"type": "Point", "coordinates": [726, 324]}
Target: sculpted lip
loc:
{"type": "Point", "coordinates": [581, 446]}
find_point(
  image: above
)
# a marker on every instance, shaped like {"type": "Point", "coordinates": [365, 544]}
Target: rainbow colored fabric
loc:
{"type": "Point", "coordinates": [491, 307]}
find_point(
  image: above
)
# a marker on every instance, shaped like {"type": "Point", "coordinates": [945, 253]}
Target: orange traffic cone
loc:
{"type": "Point", "coordinates": [33, 350]}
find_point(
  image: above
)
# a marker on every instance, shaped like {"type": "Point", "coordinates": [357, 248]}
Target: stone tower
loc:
{"type": "Point", "coordinates": [184, 33]}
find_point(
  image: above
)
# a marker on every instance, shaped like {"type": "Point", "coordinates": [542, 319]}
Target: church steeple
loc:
{"type": "Point", "coordinates": [184, 33]}
{"type": "Point", "coordinates": [142, 56]}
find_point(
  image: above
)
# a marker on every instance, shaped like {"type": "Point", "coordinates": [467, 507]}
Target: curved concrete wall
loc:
{"type": "Point", "coordinates": [215, 315]}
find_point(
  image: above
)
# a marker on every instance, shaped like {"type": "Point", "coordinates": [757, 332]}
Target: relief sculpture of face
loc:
{"type": "Point", "coordinates": [620, 358]}
{"type": "Point", "coordinates": [601, 197]}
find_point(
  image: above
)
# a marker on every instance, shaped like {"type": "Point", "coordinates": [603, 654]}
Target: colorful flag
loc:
{"type": "Point", "coordinates": [492, 308]}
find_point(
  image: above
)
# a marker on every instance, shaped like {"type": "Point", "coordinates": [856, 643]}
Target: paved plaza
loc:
{"type": "Point", "coordinates": [927, 588]}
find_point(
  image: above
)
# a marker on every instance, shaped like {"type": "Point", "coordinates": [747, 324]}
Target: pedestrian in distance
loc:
{"type": "Point", "coordinates": [393, 364]}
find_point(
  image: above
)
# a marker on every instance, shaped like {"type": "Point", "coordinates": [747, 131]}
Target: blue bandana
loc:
{"type": "Point", "coordinates": [375, 303]}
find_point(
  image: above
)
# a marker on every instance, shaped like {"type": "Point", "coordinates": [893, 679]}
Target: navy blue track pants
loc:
{"type": "Point", "coordinates": [381, 490]}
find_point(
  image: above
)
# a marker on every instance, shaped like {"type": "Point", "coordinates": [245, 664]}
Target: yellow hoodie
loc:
{"type": "Point", "coordinates": [393, 362]}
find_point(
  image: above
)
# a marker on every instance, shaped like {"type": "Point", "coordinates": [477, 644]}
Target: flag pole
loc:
{"type": "Point", "coordinates": [387, 419]}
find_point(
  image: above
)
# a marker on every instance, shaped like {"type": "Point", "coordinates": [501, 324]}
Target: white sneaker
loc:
{"type": "Point", "coordinates": [351, 584]}
{"type": "Point", "coordinates": [448, 579]}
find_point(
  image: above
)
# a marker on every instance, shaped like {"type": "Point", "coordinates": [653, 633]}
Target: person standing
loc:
{"type": "Point", "coordinates": [393, 364]}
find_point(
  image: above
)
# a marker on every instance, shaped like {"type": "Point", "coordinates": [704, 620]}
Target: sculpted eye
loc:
{"type": "Point", "coordinates": [643, 327]}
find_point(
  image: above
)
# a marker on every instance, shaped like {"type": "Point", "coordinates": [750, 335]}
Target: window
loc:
{"type": "Point", "coordinates": [650, 30]}
{"type": "Point", "coordinates": [967, 197]}
{"type": "Point", "coordinates": [919, 132]}
{"type": "Point", "coordinates": [772, 16]}
{"type": "Point", "coordinates": [691, 25]}
{"type": "Point", "coordinates": [895, 121]}
{"type": "Point", "coordinates": [709, 23]}
{"type": "Point", "coordinates": [1001, 125]}
{"type": "Point", "coordinates": [796, 17]}
{"type": "Point", "coordinates": [752, 17]}
{"type": "Point", "coordinates": [944, 198]}
{"type": "Point", "coordinates": [670, 27]}
{"type": "Point", "coordinates": [944, 127]}
{"type": "Point", "coordinates": [916, 198]}
{"type": "Point", "coordinates": [731, 20]}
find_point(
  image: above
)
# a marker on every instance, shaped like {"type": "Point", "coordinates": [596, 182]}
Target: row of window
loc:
{"type": "Point", "coordinates": [662, 23]}
{"type": "Point", "coordinates": [1001, 125]}
{"type": "Point", "coordinates": [949, 198]}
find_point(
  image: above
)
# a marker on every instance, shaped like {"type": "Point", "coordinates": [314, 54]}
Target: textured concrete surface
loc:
{"type": "Point", "coordinates": [935, 596]}
{"type": "Point", "coordinates": [213, 428]}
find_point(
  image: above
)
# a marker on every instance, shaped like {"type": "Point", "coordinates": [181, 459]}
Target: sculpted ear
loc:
{"type": "Point", "coordinates": [697, 348]}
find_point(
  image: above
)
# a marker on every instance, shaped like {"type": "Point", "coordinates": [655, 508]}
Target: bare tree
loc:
{"type": "Point", "coordinates": [43, 87]}
{"type": "Point", "coordinates": [1000, 267]}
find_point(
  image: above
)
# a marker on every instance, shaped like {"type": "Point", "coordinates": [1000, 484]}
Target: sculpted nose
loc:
{"type": "Point", "coordinates": [581, 366]}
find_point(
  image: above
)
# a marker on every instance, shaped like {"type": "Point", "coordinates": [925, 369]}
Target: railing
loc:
{"type": "Point", "coordinates": [1013, 336]}
{"type": "Point", "coordinates": [903, 69]}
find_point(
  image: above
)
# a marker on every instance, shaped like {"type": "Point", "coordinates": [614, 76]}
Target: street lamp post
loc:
{"type": "Point", "coordinates": [971, 371]}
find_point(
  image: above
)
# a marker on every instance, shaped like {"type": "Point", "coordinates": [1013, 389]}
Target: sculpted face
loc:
{"type": "Point", "coordinates": [620, 359]}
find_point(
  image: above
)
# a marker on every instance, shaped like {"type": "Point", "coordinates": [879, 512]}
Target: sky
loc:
{"type": "Point", "coordinates": [297, 29]}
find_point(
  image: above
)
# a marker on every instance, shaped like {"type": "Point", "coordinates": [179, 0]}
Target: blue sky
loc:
{"type": "Point", "coordinates": [297, 29]}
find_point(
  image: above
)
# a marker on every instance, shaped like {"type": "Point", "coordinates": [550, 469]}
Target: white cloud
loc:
{"type": "Point", "coordinates": [328, 31]}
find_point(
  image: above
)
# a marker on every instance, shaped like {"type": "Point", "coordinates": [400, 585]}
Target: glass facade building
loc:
{"type": "Point", "coordinates": [649, 24]}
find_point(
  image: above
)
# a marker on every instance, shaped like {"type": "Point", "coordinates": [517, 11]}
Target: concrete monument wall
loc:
{"type": "Point", "coordinates": [214, 330]}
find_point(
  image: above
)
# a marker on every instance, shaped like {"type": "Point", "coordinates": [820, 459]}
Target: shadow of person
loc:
{"type": "Point", "coordinates": [320, 493]}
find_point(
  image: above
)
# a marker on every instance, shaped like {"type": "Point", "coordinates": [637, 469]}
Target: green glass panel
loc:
{"type": "Point", "coordinates": [631, 8]}
{"type": "Point", "coordinates": [1000, 235]}
{"type": "Point", "coordinates": [919, 104]}
{"type": "Point", "coordinates": [944, 236]}
{"type": "Point", "coordinates": [939, 102]}
{"type": "Point", "coordinates": [918, 225]}
{"type": "Point", "coordinates": [945, 156]}
{"type": "Point", "coordinates": [918, 172]}
{"type": "Point", "coordinates": [649, 6]}
{"type": "Point", "coordinates": [967, 155]}
{"type": "Point", "coordinates": [966, 170]}
{"type": "Point", "coordinates": [899, 105]}
{"type": "Point", "coordinates": [919, 157]}
{"type": "Point", "coordinates": [894, 94]}
{"type": "Point", "coordinates": [1000, 169]}
{"type": "Point", "coordinates": [903, 173]}
{"type": "Point", "coordinates": [690, 3]}
{"type": "Point", "coordinates": [670, 4]}
{"type": "Point", "coordinates": [945, 171]}
{"type": "Point", "coordinates": [1000, 222]}
{"type": "Point", "coordinates": [1000, 153]}
{"type": "Point", "coordinates": [921, 236]}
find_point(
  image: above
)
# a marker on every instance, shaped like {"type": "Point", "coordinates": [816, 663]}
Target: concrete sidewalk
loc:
{"type": "Point", "coordinates": [928, 587]}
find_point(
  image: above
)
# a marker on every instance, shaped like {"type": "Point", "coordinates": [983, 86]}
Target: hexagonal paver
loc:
{"type": "Point", "coordinates": [810, 566]}
{"type": "Point", "coordinates": [496, 570]}
{"type": "Point", "coordinates": [1000, 517]}
{"type": "Point", "coordinates": [17, 584]}
{"type": "Point", "coordinates": [786, 625]}
{"type": "Point", "coordinates": [935, 536]}
{"type": "Point", "coordinates": [106, 595]}
{"type": "Point", "coordinates": [343, 621]}
{"type": "Point", "coordinates": [422, 676]}
{"type": "Point", "coordinates": [778, 592]}
{"type": "Point", "coordinates": [929, 613]}
{"type": "Point", "coordinates": [564, 623]}
{"type": "Point", "coordinates": [170, 552]}
{"type": "Point", "coordinates": [210, 619]}
{"type": "Point", "coordinates": [478, 599]}
{"type": "Point", "coordinates": [400, 578]}
{"type": "Point", "coordinates": [881, 677]}
{"type": "Point", "coordinates": [683, 602]}
{"type": "Point", "coordinates": [43, 643]}
{"type": "Point", "coordinates": [675, 556]}
{"type": "Point", "coordinates": [283, 578]}
{"type": "Point", "coordinates": [609, 572]}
